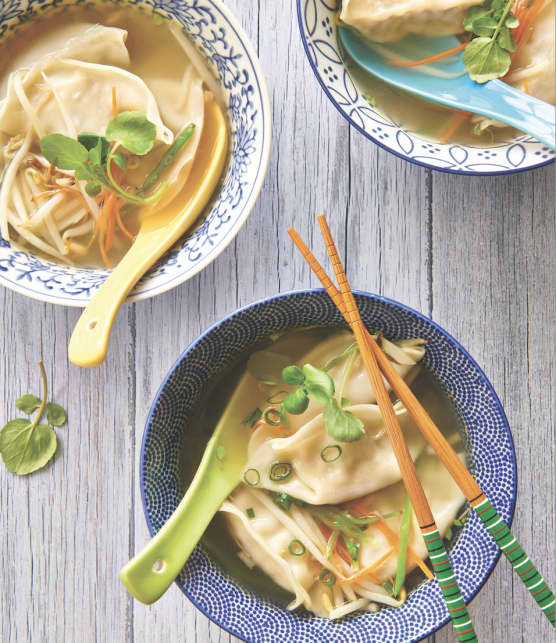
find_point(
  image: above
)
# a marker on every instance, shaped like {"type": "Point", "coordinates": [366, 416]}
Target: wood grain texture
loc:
{"type": "Point", "coordinates": [478, 254]}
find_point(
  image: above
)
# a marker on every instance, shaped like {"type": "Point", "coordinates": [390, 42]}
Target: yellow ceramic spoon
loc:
{"type": "Point", "coordinates": [89, 340]}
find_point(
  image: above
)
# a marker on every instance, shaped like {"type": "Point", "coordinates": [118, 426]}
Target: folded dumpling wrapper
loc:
{"type": "Point", "coordinates": [390, 21]}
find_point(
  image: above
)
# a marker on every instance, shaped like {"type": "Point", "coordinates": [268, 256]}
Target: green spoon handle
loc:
{"type": "Point", "coordinates": [151, 572]}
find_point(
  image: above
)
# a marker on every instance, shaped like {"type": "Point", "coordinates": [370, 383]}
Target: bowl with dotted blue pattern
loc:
{"type": "Point", "coordinates": [233, 62]}
{"type": "Point", "coordinates": [318, 25]}
{"type": "Point", "coordinates": [490, 457]}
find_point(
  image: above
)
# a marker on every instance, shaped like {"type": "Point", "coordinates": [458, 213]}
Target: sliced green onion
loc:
{"type": "Point", "coordinates": [277, 398]}
{"type": "Point", "coordinates": [296, 548]}
{"type": "Point", "coordinates": [402, 554]}
{"type": "Point", "coordinates": [253, 417]}
{"type": "Point", "coordinates": [272, 417]}
{"type": "Point", "coordinates": [389, 588]}
{"type": "Point", "coordinates": [252, 477]}
{"type": "Point", "coordinates": [331, 453]}
{"type": "Point", "coordinates": [331, 543]}
{"type": "Point", "coordinates": [353, 548]}
{"type": "Point", "coordinates": [283, 500]}
{"type": "Point", "coordinates": [327, 577]}
{"type": "Point", "coordinates": [250, 512]}
{"type": "Point", "coordinates": [220, 452]}
{"type": "Point", "coordinates": [280, 471]}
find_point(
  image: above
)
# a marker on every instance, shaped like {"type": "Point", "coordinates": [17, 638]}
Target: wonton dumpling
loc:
{"type": "Point", "coordinates": [388, 21]}
{"type": "Point", "coordinates": [364, 466]}
{"type": "Point", "coordinates": [357, 389]}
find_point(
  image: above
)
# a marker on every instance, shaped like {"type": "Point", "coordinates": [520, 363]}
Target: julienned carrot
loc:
{"type": "Point", "coordinates": [459, 117]}
{"type": "Point", "coordinates": [528, 15]}
{"type": "Point", "coordinates": [429, 59]}
{"type": "Point", "coordinates": [121, 223]}
{"type": "Point", "coordinates": [368, 571]}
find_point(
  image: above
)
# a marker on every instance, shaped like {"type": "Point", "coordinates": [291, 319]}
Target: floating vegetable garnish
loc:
{"type": "Point", "coordinates": [331, 453]}
{"type": "Point", "coordinates": [272, 417]}
{"type": "Point", "coordinates": [285, 501]}
{"type": "Point", "coordinates": [402, 553]}
{"type": "Point", "coordinates": [250, 512]}
{"type": "Point", "coordinates": [280, 471]}
{"type": "Point", "coordinates": [220, 452]}
{"type": "Point", "coordinates": [315, 383]}
{"type": "Point", "coordinates": [27, 445]}
{"type": "Point", "coordinates": [277, 398]}
{"type": "Point", "coordinates": [296, 547]}
{"type": "Point", "coordinates": [331, 544]}
{"type": "Point", "coordinates": [252, 477]}
{"type": "Point", "coordinates": [327, 577]}
{"type": "Point", "coordinates": [253, 417]}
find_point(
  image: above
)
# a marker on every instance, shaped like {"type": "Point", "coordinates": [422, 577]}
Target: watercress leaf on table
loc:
{"type": "Point", "coordinates": [63, 152]}
{"type": "Point", "coordinates": [485, 60]}
{"type": "Point", "coordinates": [293, 375]}
{"type": "Point", "coordinates": [133, 131]}
{"type": "Point", "coordinates": [93, 187]}
{"type": "Point", "coordinates": [26, 448]}
{"type": "Point", "coordinates": [120, 160]}
{"type": "Point", "coordinates": [55, 414]}
{"type": "Point", "coordinates": [296, 402]}
{"type": "Point", "coordinates": [28, 403]}
{"type": "Point", "coordinates": [318, 384]}
{"type": "Point", "coordinates": [342, 425]}
{"type": "Point", "coordinates": [506, 39]}
{"type": "Point", "coordinates": [267, 366]}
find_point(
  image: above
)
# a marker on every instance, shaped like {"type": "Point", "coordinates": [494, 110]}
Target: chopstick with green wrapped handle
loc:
{"type": "Point", "coordinates": [439, 558]}
{"type": "Point", "coordinates": [519, 560]}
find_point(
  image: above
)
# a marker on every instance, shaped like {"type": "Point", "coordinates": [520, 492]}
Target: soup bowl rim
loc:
{"type": "Point", "coordinates": [453, 150]}
{"type": "Point", "coordinates": [44, 279]}
{"type": "Point", "coordinates": [320, 292]}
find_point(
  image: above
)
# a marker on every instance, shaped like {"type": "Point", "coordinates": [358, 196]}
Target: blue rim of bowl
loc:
{"type": "Point", "coordinates": [250, 201]}
{"type": "Point", "coordinates": [375, 140]}
{"type": "Point", "coordinates": [309, 291]}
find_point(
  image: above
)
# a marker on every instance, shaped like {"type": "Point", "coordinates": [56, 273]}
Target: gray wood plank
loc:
{"type": "Point", "coordinates": [65, 529]}
{"type": "Point", "coordinates": [494, 261]}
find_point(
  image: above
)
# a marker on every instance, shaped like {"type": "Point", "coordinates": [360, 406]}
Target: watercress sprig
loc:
{"type": "Point", "coordinates": [26, 445]}
{"type": "Point", "coordinates": [91, 155]}
{"type": "Point", "coordinates": [487, 56]}
{"type": "Point", "coordinates": [315, 383]}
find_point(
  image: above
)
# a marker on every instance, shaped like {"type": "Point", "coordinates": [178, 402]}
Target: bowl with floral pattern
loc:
{"type": "Point", "coordinates": [318, 20]}
{"type": "Point", "coordinates": [231, 58]}
{"type": "Point", "coordinates": [174, 426]}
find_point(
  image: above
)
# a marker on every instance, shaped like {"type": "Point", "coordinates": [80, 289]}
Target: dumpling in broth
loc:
{"type": "Point", "coordinates": [390, 21]}
{"type": "Point", "coordinates": [357, 468]}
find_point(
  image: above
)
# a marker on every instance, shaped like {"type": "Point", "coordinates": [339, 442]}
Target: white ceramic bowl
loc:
{"type": "Point", "coordinates": [231, 57]}
{"type": "Point", "coordinates": [317, 22]}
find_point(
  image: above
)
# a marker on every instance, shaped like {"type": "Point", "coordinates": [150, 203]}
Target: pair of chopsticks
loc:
{"type": "Point", "coordinates": [376, 361]}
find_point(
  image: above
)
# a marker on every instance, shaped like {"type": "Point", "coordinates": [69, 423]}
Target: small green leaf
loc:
{"type": "Point", "coordinates": [91, 141]}
{"type": "Point", "coordinates": [485, 60]}
{"type": "Point", "coordinates": [55, 414]}
{"type": "Point", "coordinates": [26, 448]}
{"type": "Point", "coordinates": [341, 357]}
{"type": "Point", "coordinates": [83, 173]}
{"type": "Point", "coordinates": [511, 21]}
{"type": "Point", "coordinates": [344, 402]}
{"type": "Point", "coordinates": [296, 402]}
{"type": "Point", "coordinates": [342, 425]}
{"type": "Point", "coordinates": [28, 403]}
{"type": "Point", "coordinates": [267, 366]}
{"type": "Point", "coordinates": [120, 160]}
{"type": "Point", "coordinates": [318, 384]}
{"type": "Point", "coordinates": [63, 152]}
{"type": "Point", "coordinates": [506, 39]}
{"type": "Point", "coordinates": [293, 376]}
{"type": "Point", "coordinates": [133, 131]}
{"type": "Point", "coordinates": [93, 187]}
{"type": "Point", "coordinates": [484, 26]}
{"type": "Point", "coordinates": [474, 13]}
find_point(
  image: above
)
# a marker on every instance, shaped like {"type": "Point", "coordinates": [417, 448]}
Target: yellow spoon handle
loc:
{"type": "Point", "coordinates": [89, 340]}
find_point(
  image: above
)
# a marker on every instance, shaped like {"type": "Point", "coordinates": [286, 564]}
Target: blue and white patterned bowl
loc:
{"type": "Point", "coordinates": [492, 459]}
{"type": "Point", "coordinates": [233, 61]}
{"type": "Point", "coordinates": [317, 22]}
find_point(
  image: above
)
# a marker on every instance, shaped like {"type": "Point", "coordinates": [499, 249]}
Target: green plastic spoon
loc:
{"type": "Point", "coordinates": [151, 572]}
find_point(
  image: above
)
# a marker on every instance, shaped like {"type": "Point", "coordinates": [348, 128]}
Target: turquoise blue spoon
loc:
{"type": "Point", "coordinates": [493, 99]}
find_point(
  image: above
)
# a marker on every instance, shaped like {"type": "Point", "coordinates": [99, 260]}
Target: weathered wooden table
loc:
{"type": "Point", "coordinates": [476, 254]}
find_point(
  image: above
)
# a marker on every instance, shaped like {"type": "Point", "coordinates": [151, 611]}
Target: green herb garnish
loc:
{"type": "Point", "coordinates": [331, 453]}
{"type": "Point", "coordinates": [315, 383]}
{"type": "Point", "coordinates": [253, 417]}
{"type": "Point", "coordinates": [487, 56]}
{"type": "Point", "coordinates": [220, 452]}
{"type": "Point", "coordinates": [250, 512]}
{"type": "Point", "coordinates": [252, 477]}
{"type": "Point", "coordinates": [277, 398]}
{"type": "Point", "coordinates": [327, 577]}
{"type": "Point", "coordinates": [331, 544]}
{"type": "Point", "coordinates": [352, 348]}
{"type": "Point", "coordinates": [272, 417]}
{"type": "Point", "coordinates": [352, 545]}
{"type": "Point", "coordinates": [91, 155]}
{"type": "Point", "coordinates": [27, 445]}
{"type": "Point", "coordinates": [285, 501]}
{"type": "Point", "coordinates": [389, 588]}
{"type": "Point", "coordinates": [402, 554]}
{"type": "Point", "coordinates": [279, 471]}
{"type": "Point", "coordinates": [296, 547]}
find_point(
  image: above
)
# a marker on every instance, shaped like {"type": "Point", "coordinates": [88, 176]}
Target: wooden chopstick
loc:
{"type": "Point", "coordinates": [431, 535]}
{"type": "Point", "coordinates": [519, 560]}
